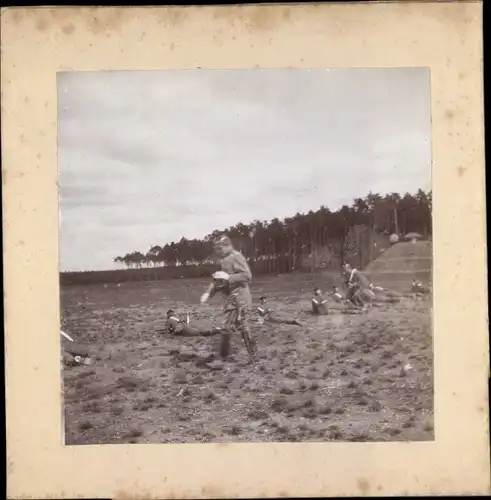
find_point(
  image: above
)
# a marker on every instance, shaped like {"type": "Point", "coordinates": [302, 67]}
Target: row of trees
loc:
{"type": "Point", "coordinates": [282, 243]}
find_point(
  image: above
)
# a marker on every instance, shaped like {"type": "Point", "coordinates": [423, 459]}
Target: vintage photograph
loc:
{"type": "Point", "coordinates": [246, 255]}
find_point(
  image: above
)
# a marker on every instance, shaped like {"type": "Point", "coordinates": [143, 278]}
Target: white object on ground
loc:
{"type": "Point", "coordinates": [66, 336]}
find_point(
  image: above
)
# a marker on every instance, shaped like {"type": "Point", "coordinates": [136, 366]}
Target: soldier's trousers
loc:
{"type": "Point", "coordinates": [238, 319]}
{"type": "Point", "coordinates": [354, 296]}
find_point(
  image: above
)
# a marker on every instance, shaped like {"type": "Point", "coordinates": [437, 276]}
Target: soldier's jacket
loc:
{"type": "Point", "coordinates": [238, 292]}
{"type": "Point", "coordinates": [263, 312]}
{"type": "Point", "coordinates": [173, 324]}
{"type": "Point", "coordinates": [358, 279]}
{"type": "Point", "coordinates": [319, 305]}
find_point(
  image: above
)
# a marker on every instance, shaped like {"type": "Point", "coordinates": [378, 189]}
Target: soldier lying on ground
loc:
{"type": "Point", "coordinates": [375, 288]}
{"type": "Point", "coordinates": [175, 326]}
{"type": "Point", "coordinates": [419, 288]}
{"type": "Point", "coordinates": [74, 354]}
{"type": "Point", "coordinates": [319, 303]}
{"type": "Point", "coordinates": [268, 314]}
{"type": "Point", "coordinates": [336, 295]}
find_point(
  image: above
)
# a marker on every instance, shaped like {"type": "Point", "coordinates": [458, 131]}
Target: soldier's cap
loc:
{"type": "Point", "coordinates": [222, 240]}
{"type": "Point", "coordinates": [170, 312]}
{"type": "Point", "coordinates": [262, 298]}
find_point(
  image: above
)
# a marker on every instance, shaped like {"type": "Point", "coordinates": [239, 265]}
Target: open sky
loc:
{"type": "Point", "coordinates": [146, 157]}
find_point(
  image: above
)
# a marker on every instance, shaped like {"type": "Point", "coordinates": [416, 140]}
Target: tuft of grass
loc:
{"type": "Point", "coordinates": [360, 437]}
{"type": "Point", "coordinates": [286, 390]}
{"type": "Point", "coordinates": [310, 413]}
{"type": "Point", "coordinates": [141, 406]}
{"type": "Point", "coordinates": [324, 410]}
{"type": "Point", "coordinates": [375, 406]}
{"type": "Point", "coordinates": [334, 432]}
{"type": "Point", "coordinates": [394, 431]}
{"type": "Point", "coordinates": [210, 396]}
{"type": "Point", "coordinates": [233, 430]}
{"type": "Point", "coordinates": [198, 380]}
{"type": "Point", "coordinates": [85, 425]}
{"type": "Point", "coordinates": [117, 410]}
{"type": "Point", "coordinates": [81, 383]}
{"type": "Point", "coordinates": [133, 433]}
{"type": "Point", "coordinates": [131, 383]}
{"type": "Point", "coordinates": [428, 428]}
{"type": "Point", "coordinates": [92, 407]}
{"type": "Point", "coordinates": [258, 415]}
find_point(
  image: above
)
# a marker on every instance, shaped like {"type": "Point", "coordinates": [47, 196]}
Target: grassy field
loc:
{"type": "Point", "coordinates": [341, 377]}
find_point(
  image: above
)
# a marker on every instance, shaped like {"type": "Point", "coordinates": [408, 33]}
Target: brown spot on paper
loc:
{"type": "Point", "coordinates": [68, 29]}
{"type": "Point", "coordinates": [449, 38]}
{"type": "Point", "coordinates": [364, 485]}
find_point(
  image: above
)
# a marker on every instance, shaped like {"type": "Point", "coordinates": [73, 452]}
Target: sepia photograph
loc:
{"type": "Point", "coordinates": [246, 255]}
{"type": "Point", "coordinates": [247, 242]}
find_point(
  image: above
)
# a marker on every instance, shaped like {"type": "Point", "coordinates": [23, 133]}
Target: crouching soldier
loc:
{"type": "Point", "coordinates": [356, 283]}
{"type": "Point", "coordinates": [233, 282]}
{"type": "Point", "coordinates": [319, 303]}
{"type": "Point", "coordinates": [266, 313]}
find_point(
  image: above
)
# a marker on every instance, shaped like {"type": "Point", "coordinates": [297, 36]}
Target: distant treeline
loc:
{"type": "Point", "coordinates": [143, 274]}
{"type": "Point", "coordinates": [320, 239]}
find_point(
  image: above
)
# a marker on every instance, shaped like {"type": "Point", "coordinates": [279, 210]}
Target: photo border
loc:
{"type": "Point", "coordinates": [39, 42]}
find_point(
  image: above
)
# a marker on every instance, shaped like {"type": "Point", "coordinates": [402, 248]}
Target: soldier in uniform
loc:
{"type": "Point", "coordinates": [73, 353]}
{"type": "Point", "coordinates": [266, 313]}
{"type": "Point", "coordinates": [176, 326]}
{"type": "Point", "coordinates": [357, 284]}
{"type": "Point", "coordinates": [319, 303]}
{"type": "Point", "coordinates": [233, 281]}
{"type": "Point", "coordinates": [336, 295]}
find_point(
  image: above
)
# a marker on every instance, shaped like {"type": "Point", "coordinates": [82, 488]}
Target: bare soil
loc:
{"type": "Point", "coordinates": [341, 377]}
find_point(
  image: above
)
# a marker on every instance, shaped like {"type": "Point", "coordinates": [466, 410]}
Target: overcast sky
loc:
{"type": "Point", "coordinates": [147, 157]}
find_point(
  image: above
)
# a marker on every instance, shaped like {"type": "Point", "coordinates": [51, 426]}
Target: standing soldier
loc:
{"type": "Point", "coordinates": [233, 281]}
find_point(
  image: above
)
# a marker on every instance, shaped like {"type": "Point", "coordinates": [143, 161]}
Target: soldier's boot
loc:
{"type": "Point", "coordinates": [250, 344]}
{"type": "Point", "coordinates": [225, 344]}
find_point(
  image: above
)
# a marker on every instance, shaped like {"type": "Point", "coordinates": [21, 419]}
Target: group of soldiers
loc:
{"type": "Point", "coordinates": [233, 282]}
